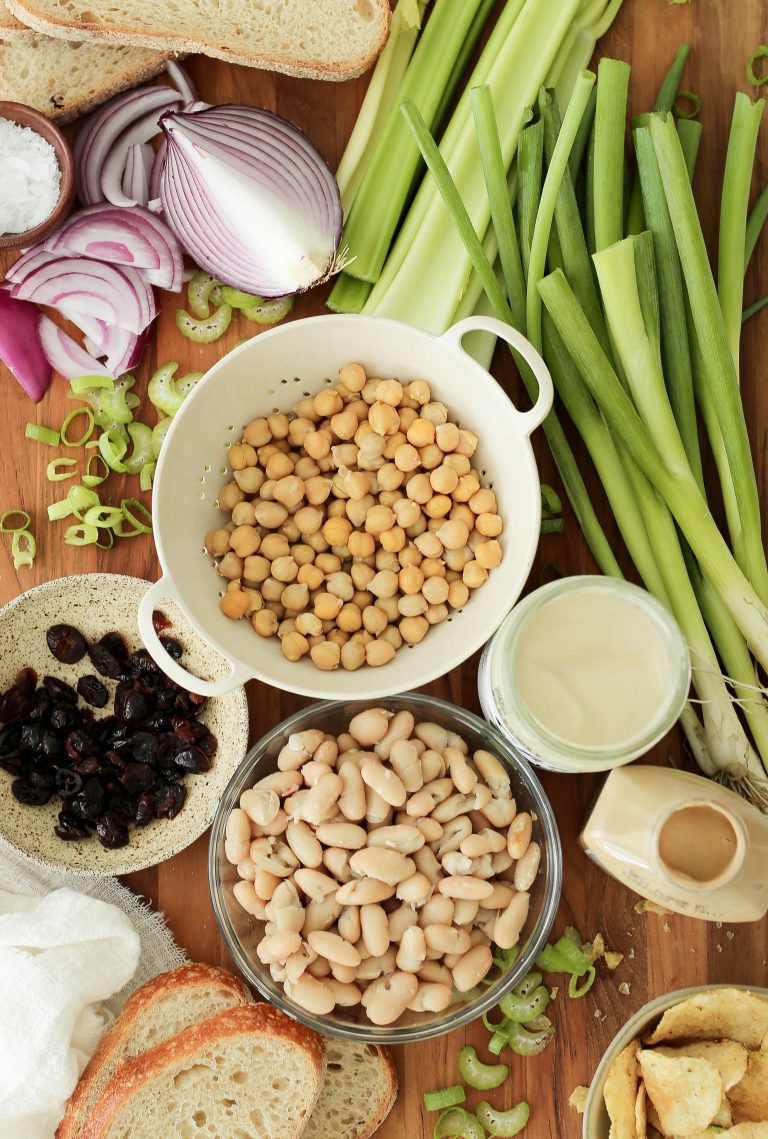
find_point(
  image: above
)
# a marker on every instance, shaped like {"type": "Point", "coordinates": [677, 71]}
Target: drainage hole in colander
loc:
{"type": "Point", "coordinates": [231, 427]}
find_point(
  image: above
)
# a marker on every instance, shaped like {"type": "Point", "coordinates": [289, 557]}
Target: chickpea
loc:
{"type": "Point", "coordinates": [458, 463]}
{"type": "Point", "coordinates": [302, 554]}
{"type": "Point", "coordinates": [278, 424]}
{"type": "Point", "coordinates": [412, 605]}
{"type": "Point", "coordinates": [421, 433]}
{"type": "Point", "coordinates": [270, 514]}
{"type": "Point", "coordinates": [384, 584]}
{"type": "Point", "coordinates": [406, 512]}
{"type": "Point", "coordinates": [298, 430]}
{"type": "Point", "coordinates": [429, 545]}
{"type": "Point", "coordinates": [295, 597]}
{"type": "Point", "coordinates": [242, 455]}
{"type": "Point", "coordinates": [436, 613]}
{"type": "Point", "coordinates": [328, 563]}
{"type": "Point", "coordinates": [468, 485]}
{"type": "Point", "coordinates": [272, 590]}
{"type": "Point", "coordinates": [328, 403]}
{"type": "Point", "coordinates": [317, 542]}
{"type": "Point", "coordinates": [457, 559]}
{"type": "Point", "coordinates": [419, 489]}
{"type": "Point", "coordinates": [374, 619]}
{"type": "Point", "coordinates": [389, 391]}
{"type": "Point", "coordinates": [231, 566]}
{"type": "Point", "coordinates": [393, 443]}
{"type": "Point", "coordinates": [410, 579]}
{"type": "Point", "coordinates": [309, 519]}
{"type": "Point", "coordinates": [443, 479]}
{"type": "Point", "coordinates": [432, 567]}
{"type": "Point", "coordinates": [447, 436]}
{"type": "Point", "coordinates": [235, 604]}
{"type": "Point", "coordinates": [379, 652]}
{"type": "Point", "coordinates": [306, 468]}
{"type": "Point", "coordinates": [435, 589]}
{"type": "Point", "coordinates": [390, 477]}
{"type": "Point", "coordinates": [245, 540]}
{"type": "Point", "coordinates": [344, 424]}
{"type": "Point", "coordinates": [311, 576]}
{"type": "Point", "coordinates": [289, 490]}
{"type": "Point", "coordinates": [392, 634]}
{"type": "Point", "coordinates": [327, 606]}
{"type": "Point", "coordinates": [275, 546]}
{"type": "Point", "coordinates": [368, 392]}
{"type": "Point", "coordinates": [244, 514]}
{"type": "Point", "coordinates": [294, 646]}
{"type": "Point", "coordinates": [279, 466]}
{"type": "Point", "coordinates": [256, 569]}
{"type": "Point", "coordinates": [265, 623]}
{"type": "Point", "coordinates": [388, 606]}
{"type": "Point", "coordinates": [488, 554]}
{"type": "Point", "coordinates": [309, 625]}
{"type": "Point", "coordinates": [393, 540]}
{"type": "Point", "coordinates": [217, 542]}
{"type": "Point", "coordinates": [408, 414]}
{"type": "Point", "coordinates": [383, 419]}
{"type": "Point", "coordinates": [474, 574]}
{"type": "Point", "coordinates": [257, 433]}
{"type": "Point", "coordinates": [438, 506]}
{"type": "Point", "coordinates": [489, 525]}
{"type": "Point", "coordinates": [431, 456]}
{"type": "Point", "coordinates": [318, 444]}
{"type": "Point", "coordinates": [336, 531]}
{"type": "Point", "coordinates": [353, 377]}
{"type": "Point", "coordinates": [305, 409]}
{"type": "Point", "coordinates": [349, 619]}
{"type": "Point", "coordinates": [250, 479]}
{"type": "Point", "coordinates": [453, 534]}
{"type": "Point", "coordinates": [284, 569]}
{"type": "Point", "coordinates": [483, 501]}
{"type": "Point", "coordinates": [467, 444]}
{"type": "Point", "coordinates": [361, 545]}
{"type": "Point", "coordinates": [435, 412]}
{"type": "Point", "coordinates": [378, 519]}
{"type": "Point", "coordinates": [362, 575]}
{"type": "Point", "coordinates": [229, 496]}
{"type": "Point", "coordinates": [326, 656]}
{"type": "Point", "coordinates": [352, 655]}
{"type": "Point", "coordinates": [413, 629]}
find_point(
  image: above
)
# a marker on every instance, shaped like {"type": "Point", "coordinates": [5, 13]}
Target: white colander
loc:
{"type": "Point", "coordinates": [271, 373]}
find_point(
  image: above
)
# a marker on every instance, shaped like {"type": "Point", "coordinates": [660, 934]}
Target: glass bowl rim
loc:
{"type": "Point", "coordinates": [391, 1034]}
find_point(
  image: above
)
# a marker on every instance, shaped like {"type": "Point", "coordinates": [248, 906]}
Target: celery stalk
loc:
{"type": "Point", "coordinates": [427, 269]}
{"type": "Point", "coordinates": [608, 183]}
{"type": "Point", "coordinates": [393, 167]}
{"type": "Point", "coordinates": [380, 97]}
{"type": "Point", "coordinates": [583, 135]}
{"type": "Point", "coordinates": [755, 225]}
{"type": "Point", "coordinates": [594, 19]}
{"type": "Point", "coordinates": [717, 362]}
{"type": "Point", "coordinates": [684, 501]}
{"type": "Point", "coordinates": [734, 207]}
{"type": "Point", "coordinates": [348, 294]}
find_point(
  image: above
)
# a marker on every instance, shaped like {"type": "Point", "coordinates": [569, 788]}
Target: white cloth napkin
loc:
{"type": "Point", "coordinates": [61, 955]}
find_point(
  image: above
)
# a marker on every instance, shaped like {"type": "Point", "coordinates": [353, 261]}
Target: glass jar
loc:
{"type": "Point", "coordinates": [502, 700]}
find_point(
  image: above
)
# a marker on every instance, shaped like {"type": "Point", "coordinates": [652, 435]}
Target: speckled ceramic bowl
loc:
{"type": "Point", "coordinates": [97, 603]}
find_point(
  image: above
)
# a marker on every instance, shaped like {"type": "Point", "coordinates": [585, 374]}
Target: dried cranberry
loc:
{"type": "Point", "coordinates": [59, 690]}
{"type": "Point", "coordinates": [137, 777]}
{"type": "Point", "coordinates": [160, 621]}
{"type": "Point", "coordinates": [30, 795]}
{"type": "Point", "coordinates": [69, 828]}
{"type": "Point", "coordinates": [172, 647]}
{"type": "Point", "coordinates": [66, 643]}
{"type": "Point", "coordinates": [93, 691]}
{"type": "Point", "coordinates": [12, 764]}
{"type": "Point", "coordinates": [144, 747]}
{"type": "Point", "coordinates": [145, 809]}
{"type": "Point", "coordinates": [106, 663]}
{"type": "Point", "coordinates": [169, 799]}
{"type": "Point", "coordinates": [111, 831]}
{"type": "Point", "coordinates": [68, 782]}
{"type": "Point", "coordinates": [91, 765]}
{"type": "Point", "coordinates": [64, 717]}
{"type": "Point", "coordinates": [193, 760]}
{"type": "Point", "coordinates": [115, 644]}
{"type": "Point", "coordinates": [9, 738]}
{"type": "Point", "coordinates": [142, 662]}
{"type": "Point", "coordinates": [20, 696]}
{"type": "Point", "coordinates": [41, 707]}
{"type": "Point", "coordinates": [31, 739]}
{"type": "Point", "coordinates": [52, 745]}
{"type": "Point", "coordinates": [89, 803]}
{"type": "Point", "coordinates": [132, 707]}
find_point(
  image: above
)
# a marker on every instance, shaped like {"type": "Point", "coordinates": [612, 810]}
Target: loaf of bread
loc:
{"type": "Point", "coordinates": [64, 78]}
{"type": "Point", "coordinates": [248, 1072]}
{"type": "Point", "coordinates": [321, 39]}
{"type": "Point", "coordinates": [358, 1093]}
{"type": "Point", "coordinates": [158, 1010]}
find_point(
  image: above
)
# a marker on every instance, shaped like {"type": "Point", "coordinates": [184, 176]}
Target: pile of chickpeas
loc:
{"type": "Point", "coordinates": [356, 523]}
{"type": "Point", "coordinates": [385, 863]}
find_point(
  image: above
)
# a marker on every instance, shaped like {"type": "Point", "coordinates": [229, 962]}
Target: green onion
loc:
{"type": "Point", "coordinates": [530, 173]}
{"type": "Point", "coordinates": [575, 990]}
{"type": "Point", "coordinates": [503, 1123]}
{"type": "Point", "coordinates": [7, 526]}
{"type": "Point", "coordinates": [54, 474]}
{"type": "Point", "coordinates": [691, 111]}
{"type": "Point", "coordinates": [81, 499]}
{"type": "Point", "coordinates": [665, 100]}
{"type": "Point", "coordinates": [103, 517]}
{"type": "Point", "coordinates": [755, 225]}
{"type": "Point", "coordinates": [608, 184]}
{"type": "Point", "coordinates": [754, 79]}
{"type": "Point", "coordinates": [477, 1074]}
{"type": "Point", "coordinates": [82, 384]}
{"type": "Point", "coordinates": [146, 476]}
{"type": "Point", "coordinates": [42, 434]}
{"type": "Point", "coordinates": [89, 478]}
{"type": "Point", "coordinates": [207, 329]}
{"type": "Point", "coordinates": [81, 535]}
{"type": "Point", "coordinates": [59, 510]}
{"type": "Point", "coordinates": [754, 308]}
{"type": "Point", "coordinates": [133, 511]}
{"type": "Point", "coordinates": [68, 419]}
{"type": "Point", "coordinates": [444, 1097]}
{"type": "Point", "coordinates": [113, 447]}
{"type": "Point", "coordinates": [456, 1123]}
{"type": "Point", "coordinates": [23, 548]}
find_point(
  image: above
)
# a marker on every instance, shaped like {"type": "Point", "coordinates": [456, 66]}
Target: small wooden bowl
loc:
{"type": "Point", "coordinates": [28, 117]}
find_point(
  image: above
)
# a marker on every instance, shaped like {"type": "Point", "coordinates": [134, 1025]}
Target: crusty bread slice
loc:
{"type": "Point", "coordinates": [358, 1093]}
{"type": "Point", "coordinates": [158, 1010]}
{"type": "Point", "coordinates": [13, 29]}
{"type": "Point", "coordinates": [64, 78]}
{"type": "Point", "coordinates": [315, 39]}
{"type": "Point", "coordinates": [245, 1073]}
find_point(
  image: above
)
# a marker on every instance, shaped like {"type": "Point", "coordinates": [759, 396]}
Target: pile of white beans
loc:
{"type": "Point", "coordinates": [385, 863]}
{"type": "Point", "coordinates": [356, 523]}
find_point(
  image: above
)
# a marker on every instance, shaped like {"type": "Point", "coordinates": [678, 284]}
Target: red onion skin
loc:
{"type": "Point", "coordinates": [20, 347]}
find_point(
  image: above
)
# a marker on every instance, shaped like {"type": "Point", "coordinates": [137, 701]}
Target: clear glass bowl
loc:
{"type": "Point", "coordinates": [242, 933]}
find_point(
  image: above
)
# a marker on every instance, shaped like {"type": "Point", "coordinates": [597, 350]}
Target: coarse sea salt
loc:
{"type": "Point", "coordinates": [30, 178]}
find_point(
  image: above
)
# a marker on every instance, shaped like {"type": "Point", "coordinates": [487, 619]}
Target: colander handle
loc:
{"type": "Point", "coordinates": [529, 419]}
{"type": "Point", "coordinates": [163, 589]}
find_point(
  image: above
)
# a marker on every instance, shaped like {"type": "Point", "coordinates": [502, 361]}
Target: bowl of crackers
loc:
{"type": "Point", "coordinates": [688, 1065]}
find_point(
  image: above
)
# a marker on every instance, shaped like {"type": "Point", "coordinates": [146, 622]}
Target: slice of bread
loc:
{"type": "Point", "coordinates": [64, 78]}
{"type": "Point", "coordinates": [314, 39]}
{"type": "Point", "coordinates": [245, 1073]}
{"type": "Point", "coordinates": [358, 1093]}
{"type": "Point", "coordinates": [158, 1010]}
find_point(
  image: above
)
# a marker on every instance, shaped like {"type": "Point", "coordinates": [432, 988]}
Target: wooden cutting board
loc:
{"type": "Point", "coordinates": [660, 952]}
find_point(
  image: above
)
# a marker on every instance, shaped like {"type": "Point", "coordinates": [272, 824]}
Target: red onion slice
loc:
{"type": "Point", "coordinates": [250, 199]}
{"type": "Point", "coordinates": [122, 349]}
{"type": "Point", "coordinates": [64, 355]}
{"type": "Point", "coordinates": [182, 82]}
{"type": "Point", "coordinates": [20, 347]}
{"type": "Point", "coordinates": [84, 291]}
{"type": "Point", "coordinates": [132, 236]}
{"type": "Point", "coordinates": [135, 181]}
{"type": "Point", "coordinates": [33, 259]}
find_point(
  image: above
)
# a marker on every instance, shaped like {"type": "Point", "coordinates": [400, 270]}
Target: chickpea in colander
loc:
{"type": "Point", "coordinates": [385, 863]}
{"type": "Point", "coordinates": [356, 522]}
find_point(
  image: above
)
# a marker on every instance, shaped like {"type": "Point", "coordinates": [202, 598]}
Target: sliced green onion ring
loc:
{"type": "Point", "coordinates": [82, 384]}
{"type": "Point", "coordinates": [132, 510]}
{"type": "Point", "coordinates": [754, 79]}
{"type": "Point", "coordinates": [42, 434]}
{"type": "Point", "coordinates": [89, 478]}
{"type": "Point", "coordinates": [6, 528]}
{"type": "Point", "coordinates": [54, 474]}
{"type": "Point", "coordinates": [23, 548]}
{"type": "Point", "coordinates": [59, 510]}
{"type": "Point", "coordinates": [86, 411]}
{"type": "Point", "coordinates": [575, 990]}
{"type": "Point", "coordinates": [444, 1097]}
{"type": "Point", "coordinates": [456, 1123]}
{"type": "Point", "coordinates": [81, 535]}
{"type": "Point", "coordinates": [689, 97]}
{"type": "Point", "coordinates": [108, 540]}
{"type": "Point", "coordinates": [103, 517]}
{"type": "Point", "coordinates": [113, 446]}
{"type": "Point", "coordinates": [147, 476]}
{"type": "Point", "coordinates": [81, 499]}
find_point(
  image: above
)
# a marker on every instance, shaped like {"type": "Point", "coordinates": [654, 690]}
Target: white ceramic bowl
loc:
{"type": "Point", "coordinates": [596, 1124]}
{"type": "Point", "coordinates": [97, 603]}
{"type": "Point", "coordinates": [270, 373]}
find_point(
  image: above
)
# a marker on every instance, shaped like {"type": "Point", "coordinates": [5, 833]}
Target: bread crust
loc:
{"type": "Point", "coordinates": [115, 34]}
{"type": "Point", "coordinates": [186, 976]}
{"type": "Point", "coordinates": [261, 1019]}
{"type": "Point", "coordinates": [386, 1105]}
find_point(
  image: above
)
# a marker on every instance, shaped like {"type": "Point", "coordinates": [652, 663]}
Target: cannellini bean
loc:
{"type": "Point", "coordinates": [246, 869]}
{"type": "Point", "coordinates": [473, 966]}
{"type": "Point", "coordinates": [278, 947]}
{"type": "Point", "coordinates": [399, 728]}
{"type": "Point", "coordinates": [461, 773]}
{"type": "Point", "coordinates": [454, 806]}
{"type": "Point", "coordinates": [500, 898]}
{"type": "Point", "coordinates": [455, 862]}
{"type": "Point", "coordinates": [453, 835]}
{"type": "Point", "coordinates": [344, 973]}
{"type": "Point", "coordinates": [433, 735]}
{"type": "Point", "coordinates": [265, 883]}
{"type": "Point", "coordinates": [313, 772]}
{"type": "Point", "coordinates": [238, 828]}
{"type": "Point", "coordinates": [304, 845]}
{"type": "Point", "coordinates": [519, 835]}
{"type": "Point", "coordinates": [364, 891]}
{"type": "Point", "coordinates": [430, 828]}
{"type": "Point", "coordinates": [345, 994]}
{"type": "Point", "coordinates": [465, 886]}
{"type": "Point", "coordinates": [348, 836]}
{"type": "Point", "coordinates": [373, 967]}
{"type": "Point", "coordinates": [387, 998]}
{"type": "Point", "coordinates": [384, 782]}
{"type": "Point", "coordinates": [282, 782]}
{"type": "Point", "coordinates": [247, 897]}
{"type": "Point", "coordinates": [313, 995]}
{"type": "Point", "coordinates": [319, 968]}
{"type": "Point", "coordinates": [348, 925]}
{"type": "Point", "coordinates": [430, 795]}
{"type": "Point", "coordinates": [320, 915]}
{"type": "Point", "coordinates": [427, 864]}
{"type": "Point", "coordinates": [381, 864]}
{"type": "Point", "coordinates": [375, 929]}
{"type": "Point", "coordinates": [500, 861]}
{"type": "Point", "coordinates": [277, 827]}
{"type": "Point", "coordinates": [378, 811]}
{"type": "Point", "coordinates": [431, 997]}
{"type": "Point", "coordinates": [438, 910]}
{"type": "Point", "coordinates": [432, 765]}
{"type": "Point", "coordinates": [278, 859]}
{"type": "Point", "coordinates": [500, 812]}
{"type": "Point", "coordinates": [465, 911]}
{"type": "Point", "coordinates": [527, 868]}
{"type": "Point", "coordinates": [284, 907]}
{"type": "Point", "coordinates": [334, 948]}
{"type": "Point", "coordinates": [446, 939]}
{"type": "Point", "coordinates": [413, 950]}
{"type": "Point", "coordinates": [298, 962]}
{"type": "Point", "coordinates": [337, 861]}
{"type": "Point", "coordinates": [352, 801]}
{"type": "Point", "coordinates": [399, 921]}
{"type": "Point", "coordinates": [433, 973]}
{"type": "Point", "coordinates": [485, 841]}
{"type": "Point", "coordinates": [236, 852]}
{"type": "Point", "coordinates": [315, 884]}
{"type": "Point", "coordinates": [510, 922]}
{"type": "Point", "coordinates": [370, 726]}
{"type": "Point", "coordinates": [494, 773]}
{"type": "Point", "coordinates": [322, 798]}
{"type": "Point", "coordinates": [294, 804]}
{"type": "Point", "coordinates": [415, 890]}
{"type": "Point", "coordinates": [261, 806]}
{"type": "Point", "coordinates": [405, 760]}
{"type": "Point", "coordinates": [403, 838]}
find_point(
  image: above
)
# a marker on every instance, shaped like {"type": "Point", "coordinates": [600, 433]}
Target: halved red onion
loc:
{"type": "Point", "coordinates": [250, 199]}
{"type": "Point", "coordinates": [135, 180]}
{"type": "Point", "coordinates": [85, 291]}
{"type": "Point", "coordinates": [20, 347]}
{"type": "Point", "coordinates": [131, 236]}
{"type": "Point", "coordinates": [101, 147]}
{"type": "Point", "coordinates": [66, 356]}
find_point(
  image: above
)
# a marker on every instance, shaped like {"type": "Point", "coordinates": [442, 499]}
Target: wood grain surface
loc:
{"type": "Point", "coordinates": [660, 953]}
